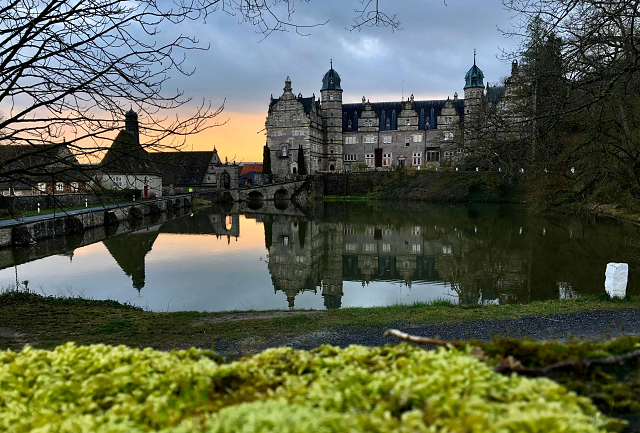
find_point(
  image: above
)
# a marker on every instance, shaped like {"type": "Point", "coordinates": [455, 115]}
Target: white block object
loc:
{"type": "Point", "coordinates": [615, 282]}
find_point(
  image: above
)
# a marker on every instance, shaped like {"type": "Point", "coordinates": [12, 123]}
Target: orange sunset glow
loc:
{"type": "Point", "coordinates": [240, 139]}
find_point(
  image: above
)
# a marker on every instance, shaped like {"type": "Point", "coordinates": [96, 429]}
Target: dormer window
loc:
{"type": "Point", "coordinates": [331, 97]}
{"type": "Point", "coordinates": [407, 122]}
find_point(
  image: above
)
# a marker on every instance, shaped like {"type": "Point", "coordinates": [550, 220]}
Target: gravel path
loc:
{"type": "Point", "coordinates": [589, 324]}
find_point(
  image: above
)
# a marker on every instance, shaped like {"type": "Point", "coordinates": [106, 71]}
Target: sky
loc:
{"type": "Point", "coordinates": [428, 57]}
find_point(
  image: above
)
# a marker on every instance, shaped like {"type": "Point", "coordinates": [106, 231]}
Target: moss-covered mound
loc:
{"type": "Point", "coordinates": [393, 388]}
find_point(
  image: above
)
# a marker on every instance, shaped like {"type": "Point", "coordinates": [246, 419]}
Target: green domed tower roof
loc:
{"type": "Point", "coordinates": [474, 77]}
{"type": "Point", "coordinates": [331, 80]}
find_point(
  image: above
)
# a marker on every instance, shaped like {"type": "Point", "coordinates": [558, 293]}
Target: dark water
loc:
{"type": "Point", "coordinates": [336, 255]}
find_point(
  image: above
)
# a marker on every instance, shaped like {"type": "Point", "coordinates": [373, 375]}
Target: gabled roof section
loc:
{"type": "Point", "coordinates": [307, 103]}
{"type": "Point", "coordinates": [182, 168]}
{"type": "Point", "coordinates": [495, 93]}
{"type": "Point", "coordinates": [26, 165]}
{"type": "Point", "coordinates": [126, 156]}
{"type": "Point", "coordinates": [248, 168]}
{"type": "Point", "coordinates": [354, 111]}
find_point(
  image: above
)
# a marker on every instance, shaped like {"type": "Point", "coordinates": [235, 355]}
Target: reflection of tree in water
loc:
{"type": "Point", "coordinates": [129, 251]}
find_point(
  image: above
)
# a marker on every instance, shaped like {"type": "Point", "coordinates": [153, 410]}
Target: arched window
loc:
{"type": "Point", "coordinates": [332, 167]}
{"type": "Point", "coordinates": [284, 151]}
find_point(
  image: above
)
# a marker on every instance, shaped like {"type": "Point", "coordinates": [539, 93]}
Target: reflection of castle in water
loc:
{"type": "Point", "coordinates": [477, 258]}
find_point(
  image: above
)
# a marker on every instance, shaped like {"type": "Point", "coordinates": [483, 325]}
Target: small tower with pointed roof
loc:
{"type": "Point", "coordinates": [473, 90]}
{"type": "Point", "coordinates": [331, 112]}
{"type": "Point", "coordinates": [131, 124]}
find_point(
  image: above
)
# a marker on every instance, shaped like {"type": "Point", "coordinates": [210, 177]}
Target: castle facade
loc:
{"type": "Point", "coordinates": [334, 136]}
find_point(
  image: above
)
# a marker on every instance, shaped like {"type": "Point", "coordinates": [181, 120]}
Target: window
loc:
{"type": "Point", "coordinates": [386, 139]}
{"type": "Point", "coordinates": [284, 151]}
{"type": "Point", "coordinates": [417, 158]}
{"type": "Point", "coordinates": [117, 180]}
{"type": "Point", "coordinates": [350, 158]}
{"type": "Point", "coordinates": [448, 155]}
{"type": "Point", "coordinates": [285, 241]}
{"type": "Point", "coordinates": [407, 141]}
{"type": "Point", "coordinates": [297, 133]}
{"type": "Point", "coordinates": [415, 231]}
{"type": "Point", "coordinates": [368, 123]}
{"type": "Point", "coordinates": [448, 120]}
{"type": "Point", "coordinates": [281, 106]}
{"type": "Point", "coordinates": [433, 156]}
{"type": "Point", "coordinates": [350, 140]}
{"type": "Point", "coordinates": [370, 248]}
{"type": "Point", "coordinates": [370, 139]}
{"type": "Point", "coordinates": [42, 187]}
{"type": "Point", "coordinates": [386, 248]}
{"type": "Point", "coordinates": [74, 186]}
{"type": "Point", "coordinates": [448, 135]}
{"type": "Point", "coordinates": [369, 159]}
{"type": "Point", "coordinates": [350, 247]}
{"type": "Point", "coordinates": [407, 122]}
{"type": "Point", "coordinates": [415, 248]}
{"type": "Point", "coordinates": [59, 186]}
{"type": "Point", "coordinates": [417, 138]}
{"type": "Point", "coordinates": [331, 97]}
{"type": "Point", "coordinates": [386, 160]}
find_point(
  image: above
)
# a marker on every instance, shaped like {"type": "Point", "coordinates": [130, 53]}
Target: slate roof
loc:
{"type": "Point", "coordinates": [126, 156]}
{"type": "Point", "coordinates": [354, 111]}
{"type": "Point", "coordinates": [248, 168]}
{"type": "Point", "coordinates": [307, 103]}
{"type": "Point", "coordinates": [23, 166]}
{"type": "Point", "coordinates": [182, 168]}
{"type": "Point", "coordinates": [331, 80]}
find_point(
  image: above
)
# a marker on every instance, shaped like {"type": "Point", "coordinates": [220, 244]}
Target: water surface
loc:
{"type": "Point", "coordinates": [338, 255]}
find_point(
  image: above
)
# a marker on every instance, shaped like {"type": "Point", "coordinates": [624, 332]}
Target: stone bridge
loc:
{"type": "Point", "coordinates": [277, 191]}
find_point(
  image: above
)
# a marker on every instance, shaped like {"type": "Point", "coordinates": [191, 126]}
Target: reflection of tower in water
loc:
{"type": "Point", "coordinates": [294, 259]}
{"type": "Point", "coordinates": [130, 250]}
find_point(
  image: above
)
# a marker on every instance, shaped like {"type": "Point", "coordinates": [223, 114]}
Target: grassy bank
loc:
{"type": "Point", "coordinates": [46, 322]}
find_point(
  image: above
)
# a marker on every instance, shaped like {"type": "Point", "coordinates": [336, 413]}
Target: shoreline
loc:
{"type": "Point", "coordinates": [46, 322]}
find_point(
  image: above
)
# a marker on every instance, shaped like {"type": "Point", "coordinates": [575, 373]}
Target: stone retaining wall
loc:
{"type": "Point", "coordinates": [29, 232]}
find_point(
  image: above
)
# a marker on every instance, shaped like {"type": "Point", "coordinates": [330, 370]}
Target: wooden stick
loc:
{"type": "Point", "coordinates": [416, 339]}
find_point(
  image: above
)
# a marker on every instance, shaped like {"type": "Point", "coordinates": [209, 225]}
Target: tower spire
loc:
{"type": "Point", "coordinates": [474, 57]}
{"type": "Point", "coordinates": [331, 62]}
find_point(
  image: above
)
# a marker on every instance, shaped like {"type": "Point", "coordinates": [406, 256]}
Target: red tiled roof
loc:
{"type": "Point", "coordinates": [247, 168]}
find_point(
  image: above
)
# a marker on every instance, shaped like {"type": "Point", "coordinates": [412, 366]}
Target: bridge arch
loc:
{"type": "Point", "coordinates": [281, 194]}
{"type": "Point", "coordinates": [255, 196]}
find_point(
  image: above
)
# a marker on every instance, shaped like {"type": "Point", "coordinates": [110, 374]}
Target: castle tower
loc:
{"type": "Point", "coordinates": [131, 124]}
{"type": "Point", "coordinates": [473, 92]}
{"type": "Point", "coordinates": [331, 112]}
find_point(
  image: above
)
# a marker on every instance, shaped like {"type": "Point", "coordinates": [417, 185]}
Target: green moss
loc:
{"type": "Point", "coordinates": [614, 389]}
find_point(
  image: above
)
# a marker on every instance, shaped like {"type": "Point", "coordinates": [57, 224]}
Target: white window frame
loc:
{"type": "Point", "coordinates": [448, 136]}
{"type": "Point", "coordinates": [350, 140]}
{"type": "Point", "coordinates": [59, 186]}
{"type": "Point", "coordinates": [386, 139]}
{"type": "Point", "coordinates": [407, 141]}
{"type": "Point", "coordinates": [407, 122]}
{"type": "Point", "coordinates": [74, 186]}
{"type": "Point", "coordinates": [42, 187]}
{"type": "Point", "coordinates": [370, 139]}
{"type": "Point", "coordinates": [417, 138]}
{"type": "Point", "coordinates": [386, 159]}
{"type": "Point", "coordinates": [117, 180]}
{"type": "Point", "coordinates": [417, 158]}
{"type": "Point", "coordinates": [370, 159]}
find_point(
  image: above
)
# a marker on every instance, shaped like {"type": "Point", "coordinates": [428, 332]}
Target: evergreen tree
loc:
{"type": "Point", "coordinates": [302, 168]}
{"type": "Point", "coordinates": [266, 160]}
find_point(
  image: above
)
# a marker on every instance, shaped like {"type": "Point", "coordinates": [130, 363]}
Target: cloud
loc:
{"type": "Point", "coordinates": [365, 47]}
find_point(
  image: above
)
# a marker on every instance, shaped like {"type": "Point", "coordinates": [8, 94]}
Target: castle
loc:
{"type": "Point", "coordinates": [343, 137]}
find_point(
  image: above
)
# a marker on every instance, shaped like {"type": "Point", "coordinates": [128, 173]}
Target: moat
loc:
{"type": "Point", "coordinates": [337, 255]}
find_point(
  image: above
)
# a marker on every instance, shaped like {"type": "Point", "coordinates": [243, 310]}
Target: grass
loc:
{"type": "Point", "coordinates": [49, 321]}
